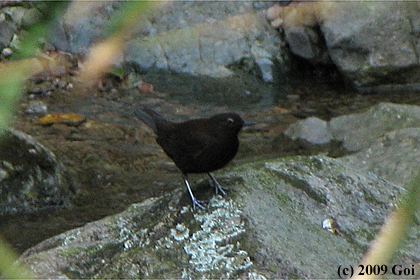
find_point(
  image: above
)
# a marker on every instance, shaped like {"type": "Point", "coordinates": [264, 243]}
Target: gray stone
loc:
{"type": "Point", "coordinates": [373, 46]}
{"type": "Point", "coordinates": [219, 49]}
{"type": "Point", "coordinates": [270, 226]}
{"type": "Point", "coordinates": [198, 38]}
{"type": "Point", "coordinates": [312, 130]}
{"type": "Point", "coordinates": [32, 177]}
{"type": "Point", "coordinates": [305, 42]}
{"type": "Point", "coordinates": [6, 52]}
{"type": "Point", "coordinates": [360, 131]}
{"type": "Point", "coordinates": [394, 157]}
{"type": "Point", "coordinates": [8, 29]}
{"type": "Point", "coordinates": [82, 26]}
{"type": "Point", "coordinates": [24, 16]}
{"type": "Point", "coordinates": [36, 107]}
{"type": "Point", "coordinates": [370, 45]}
{"type": "Point", "coordinates": [208, 49]}
{"type": "Point", "coordinates": [264, 60]}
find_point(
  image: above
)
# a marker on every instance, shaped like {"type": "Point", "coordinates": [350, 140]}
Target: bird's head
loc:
{"type": "Point", "coordinates": [229, 122]}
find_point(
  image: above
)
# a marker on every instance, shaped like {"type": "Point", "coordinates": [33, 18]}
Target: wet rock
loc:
{"type": "Point", "coordinates": [269, 226]}
{"type": "Point", "coordinates": [311, 130]}
{"type": "Point", "coordinates": [217, 49]}
{"type": "Point", "coordinates": [30, 175]}
{"type": "Point", "coordinates": [385, 138]}
{"type": "Point", "coordinates": [223, 60]}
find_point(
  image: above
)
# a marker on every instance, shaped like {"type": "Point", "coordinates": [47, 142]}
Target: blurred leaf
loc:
{"type": "Point", "coordinates": [13, 74]}
{"type": "Point", "coordinates": [30, 41]}
{"type": "Point", "coordinates": [395, 228]}
{"type": "Point", "coordinates": [102, 56]}
{"type": "Point", "coordinates": [9, 269]}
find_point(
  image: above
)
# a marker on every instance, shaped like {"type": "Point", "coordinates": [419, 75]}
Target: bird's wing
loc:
{"type": "Point", "coordinates": [185, 143]}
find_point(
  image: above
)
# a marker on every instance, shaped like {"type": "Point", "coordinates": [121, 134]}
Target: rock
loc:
{"type": "Point", "coordinates": [269, 226]}
{"type": "Point", "coordinates": [383, 140]}
{"type": "Point", "coordinates": [208, 48]}
{"type": "Point", "coordinates": [82, 26]}
{"type": "Point", "coordinates": [221, 50]}
{"type": "Point", "coordinates": [36, 107]}
{"type": "Point", "coordinates": [14, 17]}
{"type": "Point", "coordinates": [394, 157]}
{"type": "Point", "coordinates": [7, 52]}
{"type": "Point", "coordinates": [206, 40]}
{"type": "Point", "coordinates": [372, 46]}
{"type": "Point", "coordinates": [306, 43]}
{"type": "Point", "coordinates": [312, 130]}
{"type": "Point", "coordinates": [31, 176]}
{"type": "Point", "coordinates": [8, 30]}
{"type": "Point", "coordinates": [26, 16]}
{"type": "Point", "coordinates": [360, 131]}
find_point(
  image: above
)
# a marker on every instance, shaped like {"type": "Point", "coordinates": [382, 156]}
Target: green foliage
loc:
{"type": "Point", "coordinates": [8, 268]}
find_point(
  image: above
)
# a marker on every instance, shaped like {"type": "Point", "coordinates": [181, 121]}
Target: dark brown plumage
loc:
{"type": "Point", "coordinates": [197, 146]}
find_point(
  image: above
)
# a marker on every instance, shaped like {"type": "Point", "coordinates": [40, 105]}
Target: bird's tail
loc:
{"type": "Point", "coordinates": [150, 118]}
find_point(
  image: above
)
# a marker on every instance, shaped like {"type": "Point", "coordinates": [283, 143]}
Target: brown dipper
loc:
{"type": "Point", "coordinates": [197, 146]}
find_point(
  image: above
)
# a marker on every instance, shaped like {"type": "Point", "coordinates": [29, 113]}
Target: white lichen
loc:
{"type": "Point", "coordinates": [209, 248]}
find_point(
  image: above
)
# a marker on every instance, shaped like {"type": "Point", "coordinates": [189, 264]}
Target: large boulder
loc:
{"type": "Point", "coordinates": [270, 225]}
{"type": "Point", "coordinates": [31, 177]}
{"type": "Point", "coordinates": [374, 44]}
{"type": "Point", "coordinates": [197, 38]}
{"type": "Point", "coordinates": [223, 50]}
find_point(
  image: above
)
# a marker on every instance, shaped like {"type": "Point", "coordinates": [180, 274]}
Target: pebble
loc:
{"type": "Point", "coordinates": [6, 52]}
{"type": "Point", "coordinates": [36, 107]}
{"type": "Point", "coordinates": [312, 129]}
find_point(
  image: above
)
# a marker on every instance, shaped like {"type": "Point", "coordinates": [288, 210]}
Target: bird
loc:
{"type": "Point", "coordinates": [197, 146]}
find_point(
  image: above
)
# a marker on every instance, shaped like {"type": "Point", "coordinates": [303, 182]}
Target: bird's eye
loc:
{"type": "Point", "coordinates": [230, 120]}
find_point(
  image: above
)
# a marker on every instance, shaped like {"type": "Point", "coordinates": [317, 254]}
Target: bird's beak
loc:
{"type": "Point", "coordinates": [249, 123]}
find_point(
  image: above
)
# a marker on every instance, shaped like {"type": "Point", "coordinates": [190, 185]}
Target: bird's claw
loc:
{"type": "Point", "coordinates": [217, 186]}
{"type": "Point", "coordinates": [220, 189]}
{"type": "Point", "coordinates": [197, 203]}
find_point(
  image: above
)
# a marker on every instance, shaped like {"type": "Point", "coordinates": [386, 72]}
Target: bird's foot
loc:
{"type": "Point", "coordinates": [197, 203]}
{"type": "Point", "coordinates": [217, 186]}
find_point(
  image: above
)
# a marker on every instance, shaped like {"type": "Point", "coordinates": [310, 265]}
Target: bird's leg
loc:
{"type": "Point", "coordinates": [217, 185]}
{"type": "Point", "coordinates": [195, 202]}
